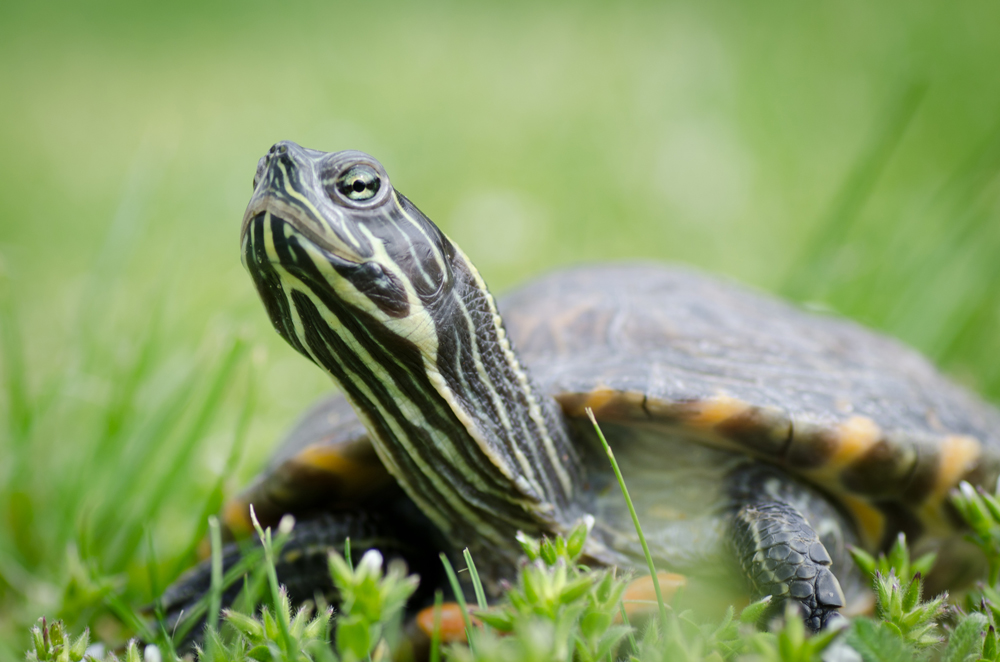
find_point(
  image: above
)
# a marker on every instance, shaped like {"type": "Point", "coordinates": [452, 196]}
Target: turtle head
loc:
{"type": "Point", "coordinates": [331, 223]}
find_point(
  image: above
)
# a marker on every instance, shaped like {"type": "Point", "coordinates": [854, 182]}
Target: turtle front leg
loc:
{"type": "Point", "coordinates": [779, 550]}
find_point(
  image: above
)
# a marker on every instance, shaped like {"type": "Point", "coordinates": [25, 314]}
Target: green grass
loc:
{"type": "Point", "coordinates": [558, 611]}
{"type": "Point", "coordinates": [846, 156]}
{"type": "Point", "coordinates": [101, 457]}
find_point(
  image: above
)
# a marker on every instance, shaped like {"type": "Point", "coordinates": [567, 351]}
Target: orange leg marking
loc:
{"type": "Point", "coordinates": [452, 624]}
{"type": "Point", "coordinates": [640, 596]}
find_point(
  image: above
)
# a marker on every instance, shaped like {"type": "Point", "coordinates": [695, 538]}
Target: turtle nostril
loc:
{"type": "Point", "coordinates": [278, 149]}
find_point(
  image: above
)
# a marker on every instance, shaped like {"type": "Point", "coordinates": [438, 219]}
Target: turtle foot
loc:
{"type": "Point", "coordinates": [781, 555]}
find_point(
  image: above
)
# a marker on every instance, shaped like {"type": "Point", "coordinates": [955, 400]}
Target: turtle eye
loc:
{"type": "Point", "coordinates": [358, 183]}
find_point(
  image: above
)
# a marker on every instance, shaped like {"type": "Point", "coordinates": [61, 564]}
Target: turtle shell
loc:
{"type": "Point", "coordinates": [857, 414]}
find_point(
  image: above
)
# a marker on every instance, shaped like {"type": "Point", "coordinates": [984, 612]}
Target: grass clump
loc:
{"type": "Point", "coordinates": [560, 609]}
{"type": "Point", "coordinates": [367, 626]}
{"type": "Point", "coordinates": [556, 609]}
{"type": "Point", "coordinates": [51, 643]}
{"type": "Point", "coordinates": [372, 604]}
{"type": "Point", "coordinates": [95, 454]}
{"type": "Point", "coordinates": [981, 511]}
{"type": "Point", "coordinates": [897, 561]}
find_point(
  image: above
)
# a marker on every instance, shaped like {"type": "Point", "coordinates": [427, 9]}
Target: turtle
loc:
{"type": "Point", "coordinates": [758, 439]}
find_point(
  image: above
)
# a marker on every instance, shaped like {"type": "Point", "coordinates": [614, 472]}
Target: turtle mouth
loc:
{"type": "Point", "coordinates": [288, 223]}
{"type": "Point", "coordinates": [271, 241]}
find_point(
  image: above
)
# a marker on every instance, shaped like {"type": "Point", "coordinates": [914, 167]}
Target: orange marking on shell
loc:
{"type": "Point", "coordinates": [599, 398]}
{"type": "Point", "coordinates": [640, 595]}
{"type": "Point", "coordinates": [959, 455]}
{"type": "Point", "coordinates": [204, 551]}
{"type": "Point", "coordinates": [572, 403]}
{"type": "Point", "coordinates": [328, 459]}
{"type": "Point", "coordinates": [715, 410]}
{"type": "Point", "coordinates": [452, 623]}
{"type": "Point", "coordinates": [355, 476]}
{"type": "Point", "coordinates": [857, 435]}
{"type": "Point", "coordinates": [236, 517]}
{"type": "Point", "coordinates": [870, 520]}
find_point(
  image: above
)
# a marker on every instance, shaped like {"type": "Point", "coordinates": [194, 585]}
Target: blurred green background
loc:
{"type": "Point", "coordinates": [844, 154]}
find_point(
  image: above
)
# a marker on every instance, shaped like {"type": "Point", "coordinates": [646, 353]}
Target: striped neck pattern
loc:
{"type": "Point", "coordinates": [431, 373]}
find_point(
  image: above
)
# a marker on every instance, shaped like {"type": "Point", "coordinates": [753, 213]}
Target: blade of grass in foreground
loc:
{"type": "Point", "coordinates": [163, 639]}
{"type": "Point", "coordinates": [477, 583]}
{"type": "Point", "coordinates": [281, 616]}
{"type": "Point", "coordinates": [215, 590]}
{"type": "Point", "coordinates": [635, 521]}
{"type": "Point", "coordinates": [456, 588]}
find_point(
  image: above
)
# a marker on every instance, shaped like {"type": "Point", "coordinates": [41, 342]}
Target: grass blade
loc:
{"type": "Point", "coordinates": [215, 590]}
{"type": "Point", "coordinates": [456, 588]}
{"type": "Point", "coordinates": [635, 520]}
{"type": "Point", "coordinates": [477, 583]}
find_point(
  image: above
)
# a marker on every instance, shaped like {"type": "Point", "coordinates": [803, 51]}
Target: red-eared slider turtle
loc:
{"type": "Point", "coordinates": [756, 438]}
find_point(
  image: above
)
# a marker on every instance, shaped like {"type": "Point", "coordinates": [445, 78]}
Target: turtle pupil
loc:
{"type": "Point", "coordinates": [358, 183]}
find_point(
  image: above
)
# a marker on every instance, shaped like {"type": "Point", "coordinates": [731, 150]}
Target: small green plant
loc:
{"type": "Point", "coordinates": [899, 606]}
{"type": "Point", "coordinates": [896, 561]}
{"type": "Point", "coordinates": [688, 640]}
{"type": "Point", "coordinates": [556, 610]}
{"type": "Point", "coordinates": [577, 604]}
{"type": "Point", "coordinates": [790, 643]}
{"type": "Point", "coordinates": [372, 603]}
{"type": "Point", "coordinates": [274, 635]}
{"type": "Point", "coordinates": [909, 628]}
{"type": "Point", "coordinates": [53, 643]}
{"type": "Point", "coordinates": [981, 511]}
